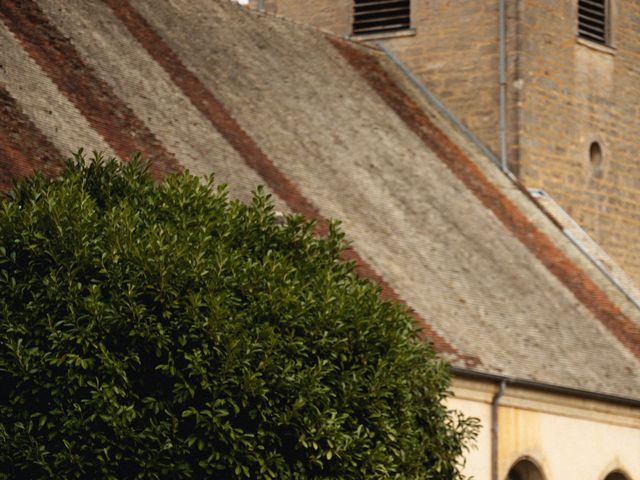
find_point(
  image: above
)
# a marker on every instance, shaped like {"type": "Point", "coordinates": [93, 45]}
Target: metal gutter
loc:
{"type": "Point", "coordinates": [494, 428]}
{"type": "Point", "coordinates": [434, 100]}
{"type": "Point", "coordinates": [601, 267]}
{"type": "Point", "coordinates": [540, 193]}
{"type": "Point", "coordinates": [546, 387]}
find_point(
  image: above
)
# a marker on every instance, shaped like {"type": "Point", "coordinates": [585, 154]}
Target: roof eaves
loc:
{"type": "Point", "coordinates": [545, 387]}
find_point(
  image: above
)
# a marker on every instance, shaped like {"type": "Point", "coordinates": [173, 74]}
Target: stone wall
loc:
{"type": "Point", "coordinates": [575, 93]}
{"type": "Point", "coordinates": [332, 15]}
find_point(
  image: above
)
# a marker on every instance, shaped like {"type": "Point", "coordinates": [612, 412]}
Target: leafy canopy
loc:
{"type": "Point", "coordinates": [162, 331]}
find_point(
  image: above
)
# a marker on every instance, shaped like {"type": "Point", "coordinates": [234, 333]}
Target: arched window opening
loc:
{"type": "Point", "coordinates": [616, 476]}
{"type": "Point", "coordinates": [525, 470]}
{"type": "Point", "coordinates": [596, 158]}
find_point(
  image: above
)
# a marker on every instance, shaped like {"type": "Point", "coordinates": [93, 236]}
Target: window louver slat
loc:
{"type": "Point", "coordinates": [592, 20]}
{"type": "Point", "coordinates": [378, 16]}
{"type": "Point", "coordinates": [398, 12]}
{"type": "Point", "coordinates": [583, 14]}
{"type": "Point", "coordinates": [590, 9]}
{"type": "Point", "coordinates": [594, 3]}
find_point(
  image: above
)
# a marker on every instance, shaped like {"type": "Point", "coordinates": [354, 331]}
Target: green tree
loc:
{"type": "Point", "coordinates": [160, 330]}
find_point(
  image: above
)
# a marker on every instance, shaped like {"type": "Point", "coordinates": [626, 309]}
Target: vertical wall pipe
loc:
{"type": "Point", "coordinates": [502, 54]}
{"type": "Point", "coordinates": [494, 429]}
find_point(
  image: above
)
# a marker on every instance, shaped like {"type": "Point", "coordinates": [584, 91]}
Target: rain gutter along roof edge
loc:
{"type": "Point", "coordinates": [545, 387]}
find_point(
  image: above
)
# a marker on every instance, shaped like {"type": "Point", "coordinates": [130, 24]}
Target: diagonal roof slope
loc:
{"type": "Point", "coordinates": [333, 130]}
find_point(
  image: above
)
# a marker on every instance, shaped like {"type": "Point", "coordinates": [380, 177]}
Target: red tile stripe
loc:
{"type": "Point", "coordinates": [22, 146]}
{"type": "Point", "coordinates": [11, 161]}
{"type": "Point", "coordinates": [577, 281]}
{"type": "Point", "coordinates": [95, 99]}
{"type": "Point", "coordinates": [210, 107]}
{"type": "Point", "coordinates": [221, 119]}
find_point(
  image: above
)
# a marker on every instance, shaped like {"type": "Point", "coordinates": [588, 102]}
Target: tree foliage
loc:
{"type": "Point", "coordinates": [162, 331]}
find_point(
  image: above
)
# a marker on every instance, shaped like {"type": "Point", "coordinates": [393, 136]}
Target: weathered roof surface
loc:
{"type": "Point", "coordinates": [333, 130]}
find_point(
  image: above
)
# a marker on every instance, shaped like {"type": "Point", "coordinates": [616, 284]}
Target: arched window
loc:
{"type": "Point", "coordinates": [616, 476]}
{"type": "Point", "coordinates": [525, 470]}
{"type": "Point", "coordinates": [596, 157]}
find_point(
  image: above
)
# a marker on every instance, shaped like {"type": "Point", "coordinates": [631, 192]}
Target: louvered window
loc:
{"type": "Point", "coordinates": [380, 16]}
{"type": "Point", "coordinates": [593, 21]}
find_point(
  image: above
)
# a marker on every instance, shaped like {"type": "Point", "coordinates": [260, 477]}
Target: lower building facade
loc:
{"type": "Point", "coordinates": [533, 434]}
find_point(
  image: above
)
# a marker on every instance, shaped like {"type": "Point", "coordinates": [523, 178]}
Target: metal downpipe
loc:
{"type": "Point", "coordinates": [503, 86]}
{"type": "Point", "coordinates": [494, 429]}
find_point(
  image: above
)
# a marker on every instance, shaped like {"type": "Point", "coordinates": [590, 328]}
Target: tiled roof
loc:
{"type": "Point", "coordinates": [333, 130]}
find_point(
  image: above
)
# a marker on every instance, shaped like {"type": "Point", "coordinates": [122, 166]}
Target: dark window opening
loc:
{"type": "Point", "coordinates": [595, 158]}
{"type": "Point", "coordinates": [380, 16]}
{"type": "Point", "coordinates": [524, 470]}
{"type": "Point", "coordinates": [593, 22]}
{"type": "Point", "coordinates": [616, 476]}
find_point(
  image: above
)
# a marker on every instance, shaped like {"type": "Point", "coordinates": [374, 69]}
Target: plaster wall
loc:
{"type": "Point", "coordinates": [567, 437]}
{"type": "Point", "coordinates": [478, 458]}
